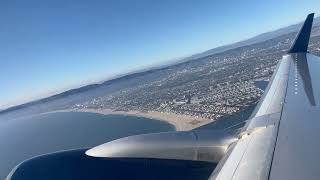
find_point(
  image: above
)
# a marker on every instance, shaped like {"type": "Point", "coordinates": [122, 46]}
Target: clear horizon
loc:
{"type": "Point", "coordinates": [52, 47]}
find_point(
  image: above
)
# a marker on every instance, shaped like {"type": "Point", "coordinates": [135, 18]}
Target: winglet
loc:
{"type": "Point", "coordinates": [302, 40]}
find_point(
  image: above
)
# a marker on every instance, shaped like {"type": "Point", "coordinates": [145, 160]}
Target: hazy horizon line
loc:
{"type": "Point", "coordinates": [164, 63]}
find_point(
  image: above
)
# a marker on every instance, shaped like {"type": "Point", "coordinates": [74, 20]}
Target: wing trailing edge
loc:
{"type": "Point", "coordinates": [300, 44]}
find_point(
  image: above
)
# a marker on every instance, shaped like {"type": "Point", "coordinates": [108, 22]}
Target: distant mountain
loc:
{"type": "Point", "coordinates": [253, 40]}
{"type": "Point", "coordinates": [83, 89]}
{"type": "Point", "coordinates": [256, 39]}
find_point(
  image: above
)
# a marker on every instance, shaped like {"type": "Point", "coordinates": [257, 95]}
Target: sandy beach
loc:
{"type": "Point", "coordinates": [180, 122]}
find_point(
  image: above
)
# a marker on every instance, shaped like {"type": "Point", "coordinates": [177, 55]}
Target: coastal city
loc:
{"type": "Point", "coordinates": [210, 87]}
{"type": "Point", "coordinates": [187, 94]}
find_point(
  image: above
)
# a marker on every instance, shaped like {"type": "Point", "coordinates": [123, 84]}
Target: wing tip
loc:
{"type": "Point", "coordinates": [301, 41]}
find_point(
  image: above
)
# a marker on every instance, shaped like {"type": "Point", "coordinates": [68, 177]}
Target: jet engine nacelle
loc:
{"type": "Point", "coordinates": [201, 145]}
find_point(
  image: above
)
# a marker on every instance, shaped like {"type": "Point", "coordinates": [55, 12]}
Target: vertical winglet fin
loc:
{"type": "Point", "coordinates": [301, 42]}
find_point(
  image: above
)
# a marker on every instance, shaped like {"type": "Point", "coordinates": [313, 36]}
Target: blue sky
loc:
{"type": "Point", "coordinates": [49, 46]}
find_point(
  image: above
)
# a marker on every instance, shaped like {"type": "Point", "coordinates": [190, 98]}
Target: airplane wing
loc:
{"type": "Point", "coordinates": [279, 141]}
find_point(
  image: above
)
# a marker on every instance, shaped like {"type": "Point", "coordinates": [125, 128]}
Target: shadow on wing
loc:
{"type": "Point", "coordinates": [303, 70]}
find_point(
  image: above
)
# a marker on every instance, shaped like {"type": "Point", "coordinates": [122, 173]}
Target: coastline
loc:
{"type": "Point", "coordinates": [180, 122]}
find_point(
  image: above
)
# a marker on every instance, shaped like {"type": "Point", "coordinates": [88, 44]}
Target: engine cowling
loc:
{"type": "Point", "coordinates": [201, 145]}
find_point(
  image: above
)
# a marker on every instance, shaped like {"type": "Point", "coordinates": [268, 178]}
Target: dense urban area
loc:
{"type": "Point", "coordinates": [209, 87]}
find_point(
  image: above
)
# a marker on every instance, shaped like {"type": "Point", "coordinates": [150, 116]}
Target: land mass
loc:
{"type": "Point", "coordinates": [180, 122]}
{"type": "Point", "coordinates": [195, 91]}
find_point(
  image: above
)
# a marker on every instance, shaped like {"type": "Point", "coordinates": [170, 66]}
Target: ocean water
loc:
{"type": "Point", "coordinates": [24, 138]}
